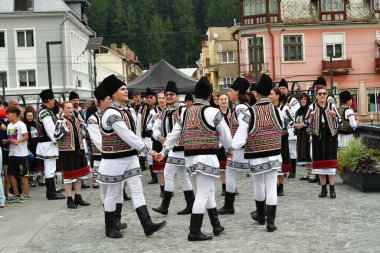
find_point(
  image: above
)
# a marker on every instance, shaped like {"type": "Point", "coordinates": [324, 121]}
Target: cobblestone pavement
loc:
{"type": "Point", "coordinates": [350, 223]}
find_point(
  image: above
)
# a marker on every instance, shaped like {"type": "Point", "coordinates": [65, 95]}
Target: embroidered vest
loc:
{"type": "Point", "coordinates": [171, 116]}
{"type": "Point", "coordinates": [144, 118]}
{"type": "Point", "coordinates": [67, 142]}
{"type": "Point", "coordinates": [264, 137]}
{"type": "Point", "coordinates": [113, 147]}
{"type": "Point", "coordinates": [198, 137]}
{"type": "Point", "coordinates": [234, 124]}
{"type": "Point", "coordinates": [42, 113]}
{"type": "Point", "coordinates": [345, 128]}
{"type": "Point", "coordinates": [316, 120]}
{"type": "Point", "coordinates": [95, 152]}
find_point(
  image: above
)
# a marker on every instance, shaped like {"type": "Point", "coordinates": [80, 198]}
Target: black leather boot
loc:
{"type": "Point", "coordinates": [118, 225]}
{"type": "Point", "coordinates": [228, 207]}
{"type": "Point", "coordinates": [70, 203]}
{"type": "Point", "coordinates": [323, 192]}
{"type": "Point", "coordinates": [79, 201]}
{"type": "Point", "coordinates": [195, 228]}
{"type": "Point", "coordinates": [125, 196]}
{"type": "Point", "coordinates": [215, 223]}
{"type": "Point", "coordinates": [142, 163]}
{"type": "Point", "coordinates": [223, 190]}
{"type": "Point", "coordinates": [163, 208]}
{"type": "Point", "coordinates": [271, 215]}
{"type": "Point", "coordinates": [154, 179]}
{"type": "Point", "coordinates": [190, 198]}
{"type": "Point", "coordinates": [293, 163]}
{"type": "Point", "coordinates": [146, 221]}
{"type": "Point", "coordinates": [280, 190]}
{"type": "Point", "coordinates": [259, 214]}
{"type": "Point", "coordinates": [332, 192]}
{"type": "Point", "coordinates": [110, 226]}
{"type": "Point", "coordinates": [162, 190]}
{"type": "Point", "coordinates": [51, 193]}
{"type": "Point", "coordinates": [85, 186]}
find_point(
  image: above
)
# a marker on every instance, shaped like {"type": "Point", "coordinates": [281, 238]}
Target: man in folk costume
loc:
{"type": "Point", "coordinates": [237, 94]}
{"type": "Point", "coordinates": [47, 148]}
{"type": "Point", "coordinates": [146, 134]}
{"type": "Point", "coordinates": [120, 148]}
{"type": "Point", "coordinates": [175, 163]}
{"type": "Point", "coordinates": [260, 134]}
{"type": "Point", "coordinates": [78, 113]}
{"type": "Point", "coordinates": [349, 123]}
{"type": "Point", "coordinates": [201, 128]}
{"type": "Point", "coordinates": [293, 105]}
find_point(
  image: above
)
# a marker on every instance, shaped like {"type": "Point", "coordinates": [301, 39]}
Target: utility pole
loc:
{"type": "Point", "coordinates": [331, 73]}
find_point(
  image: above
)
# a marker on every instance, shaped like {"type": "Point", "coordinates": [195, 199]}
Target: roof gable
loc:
{"type": "Point", "coordinates": [7, 6]}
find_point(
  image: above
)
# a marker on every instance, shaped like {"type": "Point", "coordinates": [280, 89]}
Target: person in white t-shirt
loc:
{"type": "Point", "coordinates": [18, 163]}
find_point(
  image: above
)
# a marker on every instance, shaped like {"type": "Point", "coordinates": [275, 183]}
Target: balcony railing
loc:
{"type": "Point", "coordinates": [338, 66]}
{"type": "Point", "coordinates": [377, 64]}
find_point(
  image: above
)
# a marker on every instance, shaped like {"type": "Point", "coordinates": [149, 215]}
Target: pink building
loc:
{"type": "Point", "coordinates": [295, 39]}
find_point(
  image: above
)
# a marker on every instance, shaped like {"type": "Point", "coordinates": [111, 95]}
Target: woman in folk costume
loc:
{"type": "Point", "coordinates": [323, 119]}
{"type": "Point", "coordinates": [275, 97]}
{"type": "Point", "coordinates": [237, 95]}
{"type": "Point", "coordinates": [349, 123]}
{"type": "Point", "coordinates": [303, 138]}
{"type": "Point", "coordinates": [157, 167]}
{"type": "Point", "coordinates": [70, 132]}
{"type": "Point", "coordinates": [260, 133]}
{"type": "Point", "coordinates": [120, 162]}
{"type": "Point", "coordinates": [175, 162]}
{"type": "Point", "coordinates": [201, 127]}
{"type": "Point", "coordinates": [226, 112]}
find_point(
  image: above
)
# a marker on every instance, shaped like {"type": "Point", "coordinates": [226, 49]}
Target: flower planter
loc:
{"type": "Point", "coordinates": [362, 182]}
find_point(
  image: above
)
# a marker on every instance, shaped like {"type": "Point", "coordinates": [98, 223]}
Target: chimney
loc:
{"type": "Point", "coordinates": [114, 47]}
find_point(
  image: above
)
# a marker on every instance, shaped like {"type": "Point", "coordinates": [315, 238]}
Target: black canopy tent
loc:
{"type": "Point", "coordinates": [157, 77]}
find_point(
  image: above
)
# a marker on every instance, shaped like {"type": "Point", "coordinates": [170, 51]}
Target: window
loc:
{"type": "Point", "coordinates": [259, 48]}
{"type": "Point", "coordinates": [226, 82]}
{"type": "Point", "coordinates": [355, 102]}
{"type": "Point", "coordinates": [377, 5]}
{"type": "Point", "coordinates": [332, 5]}
{"type": "Point", "coordinates": [25, 38]}
{"type": "Point", "coordinates": [24, 5]}
{"type": "Point", "coordinates": [293, 47]}
{"type": "Point", "coordinates": [258, 7]}
{"type": "Point", "coordinates": [373, 100]}
{"type": "Point", "coordinates": [27, 78]}
{"type": "Point", "coordinates": [2, 39]}
{"type": "Point", "coordinates": [226, 57]}
{"type": "Point", "coordinates": [3, 79]}
{"type": "Point", "coordinates": [333, 45]}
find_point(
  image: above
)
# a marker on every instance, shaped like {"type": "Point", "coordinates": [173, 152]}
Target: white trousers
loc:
{"type": "Point", "coordinates": [293, 149]}
{"type": "Point", "coordinates": [230, 180]}
{"type": "Point", "coordinates": [50, 165]}
{"type": "Point", "coordinates": [113, 194]}
{"type": "Point", "coordinates": [265, 187]}
{"type": "Point", "coordinates": [183, 178]}
{"type": "Point", "coordinates": [205, 197]}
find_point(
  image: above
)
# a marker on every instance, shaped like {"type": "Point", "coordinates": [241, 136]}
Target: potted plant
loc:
{"type": "Point", "coordinates": [359, 166]}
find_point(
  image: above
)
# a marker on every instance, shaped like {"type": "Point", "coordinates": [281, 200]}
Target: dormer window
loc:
{"type": "Point", "coordinates": [333, 10]}
{"type": "Point", "coordinates": [255, 11]}
{"type": "Point", "coordinates": [332, 5]}
{"type": "Point", "coordinates": [24, 5]}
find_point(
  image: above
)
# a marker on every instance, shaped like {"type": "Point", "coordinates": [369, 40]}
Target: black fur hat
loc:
{"type": "Point", "coordinates": [100, 93]}
{"type": "Point", "coordinates": [111, 84]}
{"type": "Point", "coordinates": [283, 83]}
{"type": "Point", "coordinates": [46, 94]}
{"type": "Point", "coordinates": [345, 96]}
{"type": "Point", "coordinates": [172, 87]}
{"type": "Point", "coordinates": [241, 85]}
{"type": "Point", "coordinates": [265, 85]}
{"type": "Point", "coordinates": [73, 95]}
{"type": "Point", "coordinates": [203, 88]}
{"type": "Point", "coordinates": [149, 92]}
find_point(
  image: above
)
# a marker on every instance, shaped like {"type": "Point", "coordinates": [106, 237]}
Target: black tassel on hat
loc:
{"type": "Point", "coordinates": [46, 95]}
{"type": "Point", "coordinates": [345, 96]}
{"type": "Point", "coordinates": [111, 84]}
{"type": "Point", "coordinates": [171, 87]}
{"type": "Point", "coordinates": [203, 88]}
{"type": "Point", "coordinates": [100, 93]}
{"type": "Point", "coordinates": [73, 95]}
{"type": "Point", "coordinates": [264, 86]}
{"type": "Point", "coordinates": [241, 85]}
{"type": "Point", "coordinates": [149, 92]}
{"type": "Point", "coordinates": [283, 83]}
